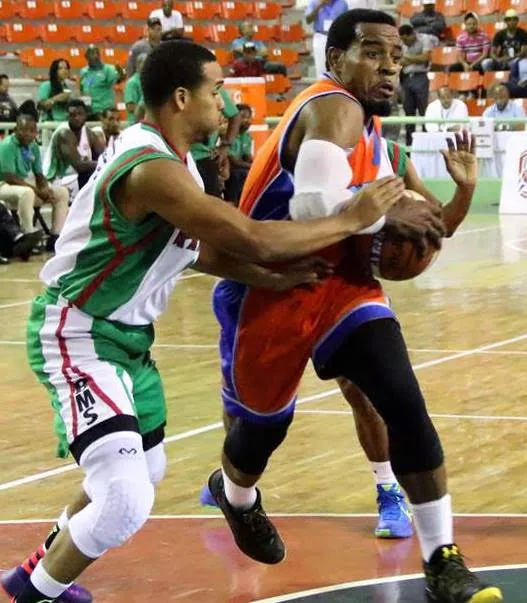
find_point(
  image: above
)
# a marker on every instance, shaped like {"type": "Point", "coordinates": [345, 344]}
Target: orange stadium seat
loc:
{"type": "Point", "coordinates": [437, 80]}
{"type": "Point", "coordinates": [125, 34]}
{"type": "Point", "coordinates": [2, 34]}
{"type": "Point", "coordinates": [90, 34]}
{"type": "Point", "coordinates": [202, 11]}
{"type": "Point", "coordinates": [454, 29]}
{"type": "Point", "coordinates": [224, 57]}
{"type": "Point", "coordinates": [38, 57]}
{"type": "Point", "coordinates": [199, 33]}
{"type": "Point", "coordinates": [104, 10]}
{"type": "Point", "coordinates": [476, 106]}
{"type": "Point", "coordinates": [450, 8]}
{"type": "Point", "coordinates": [69, 9]}
{"type": "Point", "coordinates": [276, 83]}
{"type": "Point", "coordinates": [492, 28]}
{"type": "Point", "coordinates": [22, 33]}
{"type": "Point", "coordinates": [482, 7]}
{"type": "Point", "coordinates": [6, 9]}
{"type": "Point", "coordinates": [264, 33]}
{"type": "Point", "coordinates": [34, 9]}
{"type": "Point", "coordinates": [234, 11]}
{"type": "Point", "coordinates": [114, 56]}
{"type": "Point", "coordinates": [138, 11]}
{"type": "Point", "coordinates": [276, 108]}
{"type": "Point", "coordinates": [266, 10]}
{"type": "Point", "coordinates": [291, 33]}
{"type": "Point", "coordinates": [407, 8]}
{"type": "Point", "coordinates": [223, 33]}
{"type": "Point", "coordinates": [490, 78]}
{"type": "Point", "coordinates": [287, 56]}
{"type": "Point", "coordinates": [464, 82]}
{"type": "Point", "coordinates": [520, 6]}
{"type": "Point", "coordinates": [444, 56]}
{"type": "Point", "coordinates": [56, 33]}
{"type": "Point", "coordinates": [74, 56]}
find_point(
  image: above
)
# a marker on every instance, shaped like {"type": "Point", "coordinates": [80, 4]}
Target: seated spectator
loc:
{"type": "Point", "coordinates": [508, 45]}
{"type": "Point", "coordinates": [414, 80]}
{"type": "Point", "coordinates": [13, 242]}
{"type": "Point", "coordinates": [23, 185]}
{"type": "Point", "coordinates": [171, 20]}
{"type": "Point", "coordinates": [504, 108]}
{"type": "Point", "coordinates": [133, 94]}
{"type": "Point", "coordinates": [109, 129]}
{"type": "Point", "coordinates": [213, 151]}
{"type": "Point", "coordinates": [517, 83]}
{"type": "Point", "coordinates": [472, 45]}
{"type": "Point", "coordinates": [8, 108]}
{"type": "Point", "coordinates": [97, 81]}
{"type": "Point", "coordinates": [248, 65]}
{"type": "Point", "coordinates": [53, 95]}
{"type": "Point", "coordinates": [446, 107]}
{"type": "Point", "coordinates": [247, 34]}
{"type": "Point", "coordinates": [71, 156]}
{"type": "Point", "coordinates": [240, 157]}
{"type": "Point", "coordinates": [144, 45]}
{"type": "Point", "coordinates": [428, 21]}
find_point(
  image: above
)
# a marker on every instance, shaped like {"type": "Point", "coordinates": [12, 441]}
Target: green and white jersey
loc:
{"type": "Point", "coordinates": [108, 266]}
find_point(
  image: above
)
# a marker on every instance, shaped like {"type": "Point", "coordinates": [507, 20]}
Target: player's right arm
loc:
{"type": "Point", "coordinates": [167, 188]}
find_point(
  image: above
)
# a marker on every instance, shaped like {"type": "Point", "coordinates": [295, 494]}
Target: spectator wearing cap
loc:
{"type": "Point", "coordinates": [508, 45]}
{"type": "Point", "coordinates": [414, 80]}
{"type": "Point", "coordinates": [247, 32]}
{"type": "Point", "coordinates": [144, 45]}
{"type": "Point", "coordinates": [248, 65]}
{"type": "Point", "coordinates": [171, 20]}
{"type": "Point", "coordinates": [97, 81]}
{"type": "Point", "coordinates": [429, 20]}
{"type": "Point", "coordinates": [472, 45]}
{"type": "Point", "coordinates": [321, 14]}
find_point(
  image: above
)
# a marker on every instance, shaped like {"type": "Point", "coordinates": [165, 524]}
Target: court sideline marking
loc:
{"type": "Point", "coordinates": [433, 415]}
{"type": "Point", "coordinates": [212, 426]}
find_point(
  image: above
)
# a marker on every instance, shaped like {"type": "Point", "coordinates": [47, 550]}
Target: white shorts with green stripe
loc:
{"type": "Point", "coordinates": [100, 378]}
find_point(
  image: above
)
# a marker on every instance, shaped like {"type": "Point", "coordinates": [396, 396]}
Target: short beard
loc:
{"type": "Point", "coordinates": [381, 108]}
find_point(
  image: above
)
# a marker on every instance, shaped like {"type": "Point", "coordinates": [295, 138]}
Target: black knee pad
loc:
{"type": "Point", "coordinates": [248, 446]}
{"type": "Point", "coordinates": [415, 447]}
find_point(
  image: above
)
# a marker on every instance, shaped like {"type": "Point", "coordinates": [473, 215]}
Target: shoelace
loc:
{"type": "Point", "coordinates": [257, 521]}
{"type": "Point", "coordinates": [455, 573]}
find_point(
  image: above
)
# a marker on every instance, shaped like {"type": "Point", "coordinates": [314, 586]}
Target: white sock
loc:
{"type": "Point", "coordinates": [238, 496]}
{"type": "Point", "coordinates": [45, 584]}
{"type": "Point", "coordinates": [383, 473]}
{"type": "Point", "coordinates": [434, 524]}
{"type": "Point", "coordinates": [63, 520]}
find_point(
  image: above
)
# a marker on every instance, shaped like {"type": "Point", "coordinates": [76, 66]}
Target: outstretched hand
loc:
{"type": "Point", "coordinates": [460, 159]}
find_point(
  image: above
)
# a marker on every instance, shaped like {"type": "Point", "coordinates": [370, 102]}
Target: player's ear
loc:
{"type": "Point", "coordinates": [181, 97]}
{"type": "Point", "coordinates": [334, 59]}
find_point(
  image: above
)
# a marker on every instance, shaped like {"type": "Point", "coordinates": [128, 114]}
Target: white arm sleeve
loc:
{"type": "Point", "coordinates": [322, 176]}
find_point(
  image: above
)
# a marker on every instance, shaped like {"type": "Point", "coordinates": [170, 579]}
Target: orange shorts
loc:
{"type": "Point", "coordinates": [267, 338]}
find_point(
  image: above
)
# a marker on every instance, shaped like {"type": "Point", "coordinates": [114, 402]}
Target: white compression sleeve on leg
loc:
{"type": "Point", "coordinates": [322, 177]}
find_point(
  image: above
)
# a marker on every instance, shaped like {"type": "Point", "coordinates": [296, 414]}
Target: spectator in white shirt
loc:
{"type": "Point", "coordinates": [171, 20]}
{"type": "Point", "coordinates": [445, 107]}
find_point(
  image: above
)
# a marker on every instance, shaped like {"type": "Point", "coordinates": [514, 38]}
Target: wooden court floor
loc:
{"type": "Point", "coordinates": [465, 322]}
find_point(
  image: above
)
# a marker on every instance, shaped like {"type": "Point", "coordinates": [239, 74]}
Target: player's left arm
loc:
{"type": "Point", "coordinates": [308, 271]}
{"type": "Point", "coordinates": [461, 163]}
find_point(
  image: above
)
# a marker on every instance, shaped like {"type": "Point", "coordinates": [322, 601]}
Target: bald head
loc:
{"type": "Point", "coordinates": [445, 96]}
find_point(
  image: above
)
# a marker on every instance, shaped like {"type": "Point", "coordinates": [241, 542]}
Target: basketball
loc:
{"type": "Point", "coordinates": [395, 259]}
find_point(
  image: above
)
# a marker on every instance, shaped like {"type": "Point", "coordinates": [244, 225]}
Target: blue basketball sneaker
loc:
{"type": "Point", "coordinates": [395, 519]}
{"type": "Point", "coordinates": [206, 498]}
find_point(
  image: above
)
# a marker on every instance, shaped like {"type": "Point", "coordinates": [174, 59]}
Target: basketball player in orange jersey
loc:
{"type": "Point", "coordinates": [325, 145]}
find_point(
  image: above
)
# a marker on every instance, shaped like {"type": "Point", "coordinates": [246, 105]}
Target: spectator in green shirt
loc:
{"type": "Point", "coordinates": [240, 156]}
{"type": "Point", "coordinates": [210, 154]}
{"type": "Point", "coordinates": [97, 81]}
{"type": "Point", "coordinates": [23, 184]}
{"type": "Point", "coordinates": [53, 95]}
{"type": "Point", "coordinates": [133, 93]}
